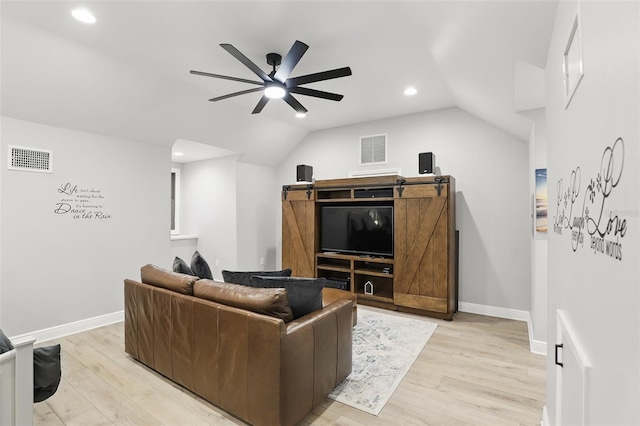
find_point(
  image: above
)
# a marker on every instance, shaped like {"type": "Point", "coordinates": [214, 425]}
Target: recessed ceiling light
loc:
{"type": "Point", "coordinates": [300, 115]}
{"type": "Point", "coordinates": [83, 15]}
{"type": "Point", "coordinates": [178, 154]}
{"type": "Point", "coordinates": [410, 91]}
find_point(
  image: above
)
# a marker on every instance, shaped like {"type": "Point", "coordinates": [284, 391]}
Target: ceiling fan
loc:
{"type": "Point", "coordinates": [277, 83]}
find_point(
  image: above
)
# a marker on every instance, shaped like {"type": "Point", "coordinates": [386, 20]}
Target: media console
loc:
{"type": "Point", "coordinates": [417, 275]}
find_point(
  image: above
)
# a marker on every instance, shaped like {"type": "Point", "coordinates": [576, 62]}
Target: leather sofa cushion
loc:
{"type": "Point", "coordinates": [159, 277]}
{"type": "Point", "coordinates": [267, 301]}
{"type": "Point", "coordinates": [244, 277]}
{"type": "Point", "coordinates": [305, 294]}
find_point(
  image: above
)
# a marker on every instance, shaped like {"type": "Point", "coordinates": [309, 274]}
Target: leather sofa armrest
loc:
{"type": "Point", "coordinates": [314, 316]}
{"type": "Point", "coordinates": [330, 295]}
{"type": "Point", "coordinates": [316, 357]}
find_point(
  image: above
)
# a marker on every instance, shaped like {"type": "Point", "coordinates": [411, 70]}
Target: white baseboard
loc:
{"type": "Point", "coordinates": [545, 417]}
{"type": "Point", "coordinates": [493, 311]}
{"type": "Point", "coordinates": [74, 327]}
{"type": "Point", "coordinates": [535, 346]}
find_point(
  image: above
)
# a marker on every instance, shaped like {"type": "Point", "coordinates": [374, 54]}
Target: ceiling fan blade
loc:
{"type": "Point", "coordinates": [226, 77]}
{"type": "Point", "coordinates": [246, 61]}
{"type": "Point", "coordinates": [231, 95]}
{"type": "Point", "coordinates": [290, 61]}
{"type": "Point", "coordinates": [316, 93]}
{"type": "Point", "coordinates": [294, 103]}
{"type": "Point", "coordinates": [319, 76]}
{"type": "Point", "coordinates": [261, 103]}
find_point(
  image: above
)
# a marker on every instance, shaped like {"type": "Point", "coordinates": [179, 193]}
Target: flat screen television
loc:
{"type": "Point", "coordinates": [361, 229]}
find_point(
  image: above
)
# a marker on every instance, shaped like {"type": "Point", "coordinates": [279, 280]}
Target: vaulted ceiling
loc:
{"type": "Point", "coordinates": [127, 75]}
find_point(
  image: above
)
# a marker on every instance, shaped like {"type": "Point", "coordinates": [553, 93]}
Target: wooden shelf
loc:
{"type": "Point", "coordinates": [382, 296]}
{"type": "Point", "coordinates": [357, 264]}
{"type": "Point", "coordinates": [373, 259]}
{"type": "Point", "coordinates": [373, 273]}
{"type": "Point", "coordinates": [334, 268]}
{"type": "Point", "coordinates": [335, 256]}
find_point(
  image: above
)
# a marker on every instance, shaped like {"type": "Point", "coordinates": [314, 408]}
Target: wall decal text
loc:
{"type": "Point", "coordinates": [587, 215]}
{"type": "Point", "coordinates": [81, 203]}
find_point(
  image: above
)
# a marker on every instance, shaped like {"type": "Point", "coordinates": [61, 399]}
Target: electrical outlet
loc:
{"type": "Point", "coordinates": [262, 261]}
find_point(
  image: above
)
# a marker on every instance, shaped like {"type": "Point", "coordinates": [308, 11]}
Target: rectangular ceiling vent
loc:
{"type": "Point", "coordinates": [30, 159]}
{"type": "Point", "coordinates": [373, 149]}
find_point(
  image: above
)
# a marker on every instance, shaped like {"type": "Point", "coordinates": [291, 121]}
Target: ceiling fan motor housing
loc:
{"type": "Point", "coordinates": [274, 59]}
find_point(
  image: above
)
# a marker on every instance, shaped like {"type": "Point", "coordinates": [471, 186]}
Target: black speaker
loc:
{"type": "Point", "coordinates": [304, 173]}
{"type": "Point", "coordinates": [426, 162]}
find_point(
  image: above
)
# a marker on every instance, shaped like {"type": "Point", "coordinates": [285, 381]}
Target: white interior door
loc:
{"type": "Point", "coordinates": [572, 376]}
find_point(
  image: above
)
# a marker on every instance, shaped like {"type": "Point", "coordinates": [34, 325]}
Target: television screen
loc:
{"type": "Point", "coordinates": [362, 229]}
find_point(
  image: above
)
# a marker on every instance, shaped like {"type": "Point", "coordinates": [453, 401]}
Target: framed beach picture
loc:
{"type": "Point", "coordinates": [541, 200]}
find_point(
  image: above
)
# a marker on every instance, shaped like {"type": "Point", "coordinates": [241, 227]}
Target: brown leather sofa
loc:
{"type": "Point", "coordinates": [231, 344]}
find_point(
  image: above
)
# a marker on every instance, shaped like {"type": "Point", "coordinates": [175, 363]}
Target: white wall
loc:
{"type": "Point", "coordinates": [537, 160]}
{"type": "Point", "coordinates": [56, 269]}
{"type": "Point", "coordinates": [209, 210]}
{"type": "Point", "coordinates": [231, 207]}
{"type": "Point", "coordinates": [491, 171]}
{"type": "Point", "coordinates": [598, 293]}
{"type": "Point", "coordinates": [182, 245]}
{"type": "Point", "coordinates": [258, 200]}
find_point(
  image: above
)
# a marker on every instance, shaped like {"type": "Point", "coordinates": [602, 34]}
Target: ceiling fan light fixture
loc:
{"type": "Point", "coordinates": [274, 91]}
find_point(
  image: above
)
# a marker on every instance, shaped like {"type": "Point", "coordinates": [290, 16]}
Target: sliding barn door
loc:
{"type": "Point", "coordinates": [422, 272]}
{"type": "Point", "coordinates": [298, 232]}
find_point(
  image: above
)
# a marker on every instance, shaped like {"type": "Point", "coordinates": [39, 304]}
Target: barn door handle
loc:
{"type": "Point", "coordinates": [558, 346]}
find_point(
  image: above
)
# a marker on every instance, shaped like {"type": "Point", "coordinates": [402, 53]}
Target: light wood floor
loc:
{"type": "Point", "coordinates": [474, 370]}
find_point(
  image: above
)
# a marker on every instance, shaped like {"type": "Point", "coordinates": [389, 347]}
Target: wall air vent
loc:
{"type": "Point", "coordinates": [30, 159]}
{"type": "Point", "coordinates": [373, 149]}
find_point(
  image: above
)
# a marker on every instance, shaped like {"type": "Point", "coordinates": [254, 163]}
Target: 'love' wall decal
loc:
{"type": "Point", "coordinates": [588, 214]}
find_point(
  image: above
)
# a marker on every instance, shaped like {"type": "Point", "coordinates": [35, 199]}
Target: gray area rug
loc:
{"type": "Point", "coordinates": [384, 348]}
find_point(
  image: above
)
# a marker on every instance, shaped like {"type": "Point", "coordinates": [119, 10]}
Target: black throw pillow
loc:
{"type": "Point", "coordinates": [200, 267]}
{"type": "Point", "coordinates": [244, 277]}
{"type": "Point", "coordinates": [181, 267]}
{"type": "Point", "coordinates": [305, 294]}
{"type": "Point", "coordinates": [46, 372]}
{"type": "Point", "coordinates": [5, 343]}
